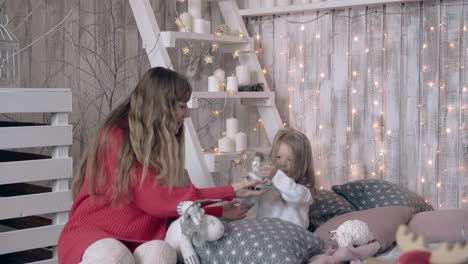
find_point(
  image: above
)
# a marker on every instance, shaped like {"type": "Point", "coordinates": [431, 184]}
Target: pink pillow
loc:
{"type": "Point", "coordinates": [441, 225]}
{"type": "Point", "coordinates": [383, 223]}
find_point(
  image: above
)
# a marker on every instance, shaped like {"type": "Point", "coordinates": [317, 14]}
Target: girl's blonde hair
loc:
{"type": "Point", "coordinates": [302, 166]}
{"type": "Point", "coordinates": [149, 137]}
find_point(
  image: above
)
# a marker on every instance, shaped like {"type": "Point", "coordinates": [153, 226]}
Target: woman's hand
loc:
{"type": "Point", "coordinates": [233, 211]}
{"type": "Point", "coordinates": [243, 189]}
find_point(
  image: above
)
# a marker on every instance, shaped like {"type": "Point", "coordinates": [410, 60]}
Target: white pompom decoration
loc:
{"type": "Point", "coordinates": [353, 233]}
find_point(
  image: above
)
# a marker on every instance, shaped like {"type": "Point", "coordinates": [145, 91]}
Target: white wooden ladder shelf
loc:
{"type": "Point", "coordinates": [155, 42]}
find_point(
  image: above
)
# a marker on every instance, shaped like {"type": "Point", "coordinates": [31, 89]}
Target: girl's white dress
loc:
{"type": "Point", "coordinates": [286, 200]}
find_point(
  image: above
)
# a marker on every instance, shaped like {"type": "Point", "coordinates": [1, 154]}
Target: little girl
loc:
{"type": "Point", "coordinates": [292, 177]}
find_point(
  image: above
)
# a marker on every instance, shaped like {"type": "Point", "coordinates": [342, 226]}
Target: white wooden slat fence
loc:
{"type": "Point", "coordinates": [57, 169]}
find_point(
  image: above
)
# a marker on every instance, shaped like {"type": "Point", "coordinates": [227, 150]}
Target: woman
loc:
{"type": "Point", "coordinates": [130, 179]}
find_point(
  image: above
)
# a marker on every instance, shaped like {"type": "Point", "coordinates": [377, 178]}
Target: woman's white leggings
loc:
{"type": "Point", "coordinates": [112, 251]}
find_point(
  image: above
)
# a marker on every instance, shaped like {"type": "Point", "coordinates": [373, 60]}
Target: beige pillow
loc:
{"type": "Point", "coordinates": [383, 223]}
{"type": "Point", "coordinates": [441, 225]}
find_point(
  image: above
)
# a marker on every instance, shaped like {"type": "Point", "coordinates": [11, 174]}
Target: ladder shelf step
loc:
{"type": "Point", "coordinates": [169, 38]}
{"type": "Point", "coordinates": [320, 6]}
{"type": "Point", "coordinates": [213, 158]}
{"type": "Point", "coordinates": [248, 98]}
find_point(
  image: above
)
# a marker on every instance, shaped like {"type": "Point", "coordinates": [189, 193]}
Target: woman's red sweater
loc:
{"type": "Point", "coordinates": [143, 219]}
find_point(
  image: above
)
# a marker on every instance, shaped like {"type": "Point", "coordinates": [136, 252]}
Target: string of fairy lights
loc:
{"type": "Point", "coordinates": [379, 122]}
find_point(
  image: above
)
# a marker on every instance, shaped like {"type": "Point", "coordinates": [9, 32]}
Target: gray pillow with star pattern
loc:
{"type": "Point", "coordinates": [262, 240]}
{"type": "Point", "coordinates": [327, 204]}
{"type": "Point", "coordinates": [371, 193]}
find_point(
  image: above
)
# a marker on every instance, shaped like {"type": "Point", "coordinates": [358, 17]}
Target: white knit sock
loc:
{"type": "Point", "coordinates": [107, 251]}
{"type": "Point", "coordinates": [155, 252]}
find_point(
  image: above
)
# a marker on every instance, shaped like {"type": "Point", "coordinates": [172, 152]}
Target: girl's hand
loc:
{"type": "Point", "coordinates": [243, 189]}
{"type": "Point", "coordinates": [233, 211]}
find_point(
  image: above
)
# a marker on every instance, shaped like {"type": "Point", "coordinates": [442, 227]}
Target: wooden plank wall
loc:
{"type": "Point", "coordinates": [94, 48]}
{"type": "Point", "coordinates": [384, 93]}
{"type": "Point", "coordinates": [378, 90]}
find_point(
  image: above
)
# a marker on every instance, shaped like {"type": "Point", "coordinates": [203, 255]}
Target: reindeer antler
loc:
{"type": "Point", "coordinates": [454, 253]}
{"type": "Point", "coordinates": [408, 241]}
{"type": "Point", "coordinates": [445, 254]}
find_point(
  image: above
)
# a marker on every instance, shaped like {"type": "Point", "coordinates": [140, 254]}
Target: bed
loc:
{"type": "Point", "coordinates": [384, 206]}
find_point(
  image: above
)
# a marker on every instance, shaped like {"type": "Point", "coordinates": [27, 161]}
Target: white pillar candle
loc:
{"type": "Point", "coordinates": [199, 25]}
{"type": "Point", "coordinates": [241, 141]}
{"type": "Point", "coordinates": [231, 84]}
{"type": "Point", "coordinates": [207, 27]}
{"type": "Point", "coordinates": [269, 3]}
{"type": "Point", "coordinates": [282, 2]}
{"type": "Point", "coordinates": [232, 127]}
{"type": "Point", "coordinates": [186, 19]}
{"type": "Point", "coordinates": [220, 74]}
{"type": "Point", "coordinates": [226, 144]}
{"type": "Point", "coordinates": [243, 75]}
{"type": "Point", "coordinates": [195, 8]}
{"type": "Point", "coordinates": [213, 84]}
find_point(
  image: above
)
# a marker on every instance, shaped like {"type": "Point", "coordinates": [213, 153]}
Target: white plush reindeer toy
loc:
{"type": "Point", "coordinates": [194, 226]}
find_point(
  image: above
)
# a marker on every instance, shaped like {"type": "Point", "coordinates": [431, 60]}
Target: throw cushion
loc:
{"type": "Point", "coordinates": [326, 205]}
{"type": "Point", "coordinates": [441, 225]}
{"type": "Point", "coordinates": [371, 193]}
{"type": "Point", "coordinates": [263, 240]}
{"type": "Point", "coordinates": [383, 223]}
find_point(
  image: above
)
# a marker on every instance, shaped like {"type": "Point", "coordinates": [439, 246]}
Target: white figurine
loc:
{"type": "Point", "coordinates": [194, 226]}
{"type": "Point", "coordinates": [258, 161]}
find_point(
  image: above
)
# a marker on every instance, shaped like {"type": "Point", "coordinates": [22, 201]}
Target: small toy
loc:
{"type": "Point", "coordinates": [194, 226]}
{"type": "Point", "coordinates": [409, 243]}
{"type": "Point", "coordinates": [258, 161]}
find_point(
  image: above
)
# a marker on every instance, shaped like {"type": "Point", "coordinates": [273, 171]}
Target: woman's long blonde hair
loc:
{"type": "Point", "coordinates": [302, 165]}
{"type": "Point", "coordinates": [149, 137]}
